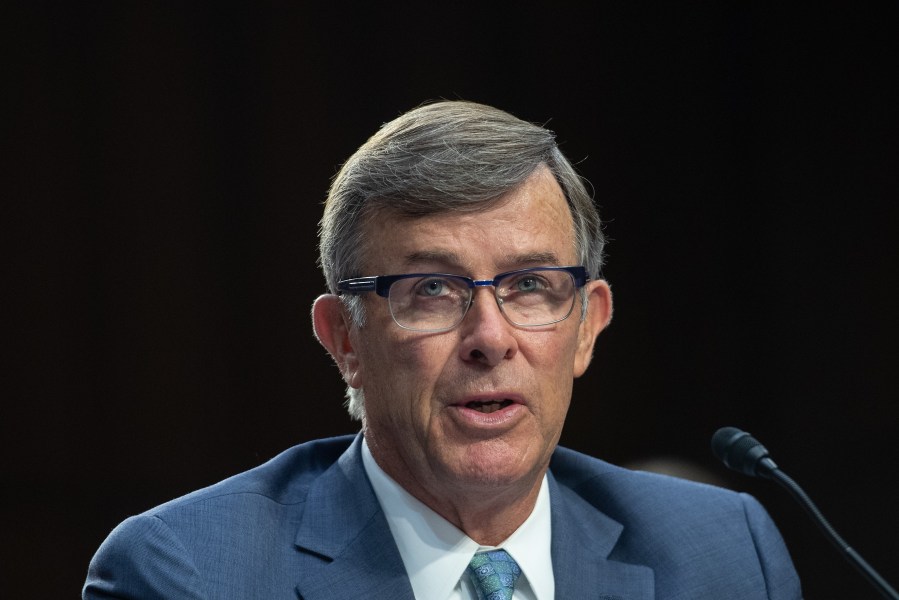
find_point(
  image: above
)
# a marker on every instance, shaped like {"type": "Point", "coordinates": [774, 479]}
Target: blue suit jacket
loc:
{"type": "Point", "coordinates": [307, 525]}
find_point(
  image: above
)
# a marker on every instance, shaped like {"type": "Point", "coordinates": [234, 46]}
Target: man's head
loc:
{"type": "Point", "coordinates": [468, 190]}
{"type": "Point", "coordinates": [449, 156]}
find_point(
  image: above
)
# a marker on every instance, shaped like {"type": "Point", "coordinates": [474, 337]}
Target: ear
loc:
{"type": "Point", "coordinates": [599, 314]}
{"type": "Point", "coordinates": [332, 328]}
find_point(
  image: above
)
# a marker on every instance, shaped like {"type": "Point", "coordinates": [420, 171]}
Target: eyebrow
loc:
{"type": "Point", "coordinates": [433, 256]}
{"type": "Point", "coordinates": [453, 260]}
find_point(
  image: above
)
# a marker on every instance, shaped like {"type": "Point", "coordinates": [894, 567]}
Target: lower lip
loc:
{"type": "Point", "coordinates": [497, 420]}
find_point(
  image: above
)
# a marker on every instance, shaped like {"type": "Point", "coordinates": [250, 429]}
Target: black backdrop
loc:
{"type": "Point", "coordinates": [167, 172]}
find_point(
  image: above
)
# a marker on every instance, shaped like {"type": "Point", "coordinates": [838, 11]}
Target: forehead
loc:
{"type": "Point", "coordinates": [528, 225]}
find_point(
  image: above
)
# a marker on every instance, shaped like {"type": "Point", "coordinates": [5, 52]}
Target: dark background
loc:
{"type": "Point", "coordinates": [167, 168]}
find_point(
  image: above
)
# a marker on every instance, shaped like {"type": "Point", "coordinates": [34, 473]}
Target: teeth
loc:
{"type": "Point", "coordinates": [488, 406]}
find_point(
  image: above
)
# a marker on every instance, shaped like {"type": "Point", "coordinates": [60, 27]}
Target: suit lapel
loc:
{"type": "Point", "coordinates": [347, 551]}
{"type": "Point", "coordinates": [582, 539]}
{"type": "Point", "coordinates": [346, 546]}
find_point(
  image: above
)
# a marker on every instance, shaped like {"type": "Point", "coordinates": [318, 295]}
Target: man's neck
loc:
{"type": "Point", "coordinates": [435, 552]}
{"type": "Point", "coordinates": [488, 521]}
{"type": "Point", "coordinates": [487, 513]}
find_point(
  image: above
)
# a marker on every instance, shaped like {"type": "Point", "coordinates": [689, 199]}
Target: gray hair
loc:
{"type": "Point", "coordinates": [448, 156]}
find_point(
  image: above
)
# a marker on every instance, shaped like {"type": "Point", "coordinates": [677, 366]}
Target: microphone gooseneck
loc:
{"type": "Point", "coordinates": [741, 452]}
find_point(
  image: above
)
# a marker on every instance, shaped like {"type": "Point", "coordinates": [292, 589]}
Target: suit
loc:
{"type": "Point", "coordinates": [307, 525]}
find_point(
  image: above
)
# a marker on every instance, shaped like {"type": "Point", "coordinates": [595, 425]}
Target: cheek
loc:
{"type": "Point", "coordinates": [554, 366]}
{"type": "Point", "coordinates": [403, 369]}
{"type": "Point", "coordinates": [418, 356]}
{"type": "Point", "coordinates": [554, 356]}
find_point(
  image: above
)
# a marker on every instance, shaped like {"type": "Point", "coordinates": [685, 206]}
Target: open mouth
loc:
{"type": "Point", "coordinates": [488, 406]}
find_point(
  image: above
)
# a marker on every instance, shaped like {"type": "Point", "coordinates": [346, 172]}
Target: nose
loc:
{"type": "Point", "coordinates": [487, 337]}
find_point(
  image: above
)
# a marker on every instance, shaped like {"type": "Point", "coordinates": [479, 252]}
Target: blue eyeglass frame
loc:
{"type": "Point", "coordinates": [380, 284]}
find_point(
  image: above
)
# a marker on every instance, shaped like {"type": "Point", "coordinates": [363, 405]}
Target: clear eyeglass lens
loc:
{"type": "Point", "coordinates": [434, 303]}
{"type": "Point", "coordinates": [537, 297]}
{"type": "Point", "coordinates": [429, 303]}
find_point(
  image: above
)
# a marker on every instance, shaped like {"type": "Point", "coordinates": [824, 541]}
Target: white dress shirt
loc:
{"type": "Point", "coordinates": [436, 553]}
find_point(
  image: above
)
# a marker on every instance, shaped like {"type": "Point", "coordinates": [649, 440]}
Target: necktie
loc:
{"type": "Point", "coordinates": [494, 574]}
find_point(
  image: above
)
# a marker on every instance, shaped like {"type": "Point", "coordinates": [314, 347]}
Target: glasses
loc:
{"type": "Point", "coordinates": [439, 302]}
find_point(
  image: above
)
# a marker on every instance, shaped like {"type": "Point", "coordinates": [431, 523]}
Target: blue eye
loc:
{"type": "Point", "coordinates": [528, 284]}
{"type": "Point", "coordinates": [431, 287]}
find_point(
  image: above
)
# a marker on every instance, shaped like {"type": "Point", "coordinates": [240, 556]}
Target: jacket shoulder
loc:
{"type": "Point", "coordinates": [192, 546]}
{"type": "Point", "coordinates": [284, 479]}
{"type": "Point", "coordinates": [690, 533]}
{"type": "Point", "coordinates": [611, 485]}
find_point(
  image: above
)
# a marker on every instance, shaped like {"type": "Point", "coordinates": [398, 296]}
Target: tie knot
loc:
{"type": "Point", "coordinates": [494, 574]}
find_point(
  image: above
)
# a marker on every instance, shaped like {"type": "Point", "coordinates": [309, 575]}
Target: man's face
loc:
{"type": "Point", "coordinates": [424, 391]}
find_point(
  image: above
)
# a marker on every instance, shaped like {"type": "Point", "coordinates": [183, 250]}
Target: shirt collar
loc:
{"type": "Point", "coordinates": [436, 553]}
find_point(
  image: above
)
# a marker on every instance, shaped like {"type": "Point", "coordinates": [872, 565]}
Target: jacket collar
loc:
{"type": "Point", "coordinates": [583, 538]}
{"type": "Point", "coordinates": [348, 550]}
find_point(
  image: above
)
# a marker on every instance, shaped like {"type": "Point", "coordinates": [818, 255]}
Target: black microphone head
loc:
{"type": "Point", "coordinates": [741, 452]}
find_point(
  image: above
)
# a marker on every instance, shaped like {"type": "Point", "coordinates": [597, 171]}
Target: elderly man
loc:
{"type": "Point", "coordinates": [463, 256]}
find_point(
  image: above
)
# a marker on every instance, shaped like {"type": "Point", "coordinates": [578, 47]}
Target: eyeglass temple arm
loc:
{"type": "Point", "coordinates": [361, 284]}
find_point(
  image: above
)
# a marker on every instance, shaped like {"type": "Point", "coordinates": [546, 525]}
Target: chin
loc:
{"type": "Point", "coordinates": [495, 469]}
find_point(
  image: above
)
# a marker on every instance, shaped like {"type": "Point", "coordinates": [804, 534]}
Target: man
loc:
{"type": "Point", "coordinates": [463, 256]}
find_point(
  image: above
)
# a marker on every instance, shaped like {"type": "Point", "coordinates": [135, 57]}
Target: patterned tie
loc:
{"type": "Point", "coordinates": [493, 574]}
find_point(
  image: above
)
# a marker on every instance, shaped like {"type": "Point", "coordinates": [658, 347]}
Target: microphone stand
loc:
{"type": "Point", "coordinates": [830, 533]}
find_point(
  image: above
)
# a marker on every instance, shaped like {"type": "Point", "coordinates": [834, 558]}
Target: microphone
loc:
{"type": "Point", "coordinates": [741, 452]}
